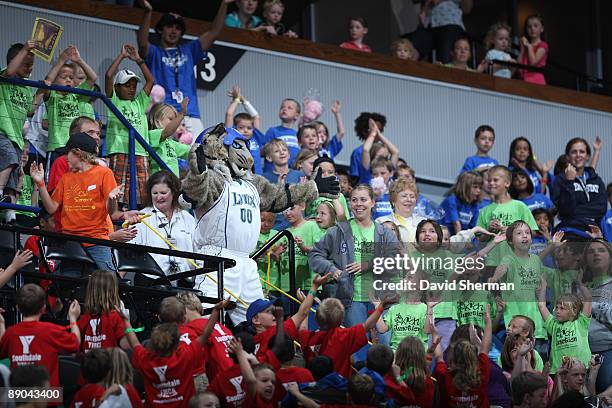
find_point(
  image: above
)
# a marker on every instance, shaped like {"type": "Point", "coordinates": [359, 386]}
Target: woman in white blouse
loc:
{"type": "Point", "coordinates": [173, 223]}
{"type": "Point", "coordinates": [403, 196]}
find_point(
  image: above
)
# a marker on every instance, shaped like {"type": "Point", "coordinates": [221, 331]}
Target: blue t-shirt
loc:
{"type": "Point", "coordinates": [535, 178]}
{"type": "Point", "coordinates": [606, 226]}
{"type": "Point", "coordinates": [456, 210]}
{"type": "Point", "coordinates": [478, 163]}
{"type": "Point", "coordinates": [536, 201]}
{"type": "Point", "coordinates": [332, 149]}
{"type": "Point", "coordinates": [383, 206]}
{"type": "Point", "coordinates": [427, 209]}
{"type": "Point", "coordinates": [232, 20]}
{"type": "Point", "coordinates": [357, 169]}
{"type": "Point", "coordinates": [255, 145]}
{"type": "Point", "coordinates": [162, 65]}
{"type": "Point", "coordinates": [288, 136]}
{"type": "Point", "coordinates": [483, 203]}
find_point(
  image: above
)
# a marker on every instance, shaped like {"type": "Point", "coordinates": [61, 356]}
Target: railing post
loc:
{"type": "Point", "coordinates": [292, 273]}
{"type": "Point", "coordinates": [220, 272]}
{"type": "Point", "coordinates": [133, 199]}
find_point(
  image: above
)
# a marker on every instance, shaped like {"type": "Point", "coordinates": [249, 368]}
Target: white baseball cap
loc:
{"type": "Point", "coordinates": [125, 75]}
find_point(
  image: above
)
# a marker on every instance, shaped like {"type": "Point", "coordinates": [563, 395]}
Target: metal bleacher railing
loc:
{"type": "Point", "coordinates": [134, 136]}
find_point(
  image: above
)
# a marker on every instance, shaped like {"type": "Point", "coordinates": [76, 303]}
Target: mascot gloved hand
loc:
{"type": "Point", "coordinates": [228, 199]}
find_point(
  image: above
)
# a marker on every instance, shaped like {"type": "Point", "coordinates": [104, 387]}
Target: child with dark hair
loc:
{"type": "Point", "coordinates": [358, 29]}
{"type": "Point", "coordinates": [289, 371]}
{"type": "Point", "coordinates": [522, 189]}
{"type": "Point", "coordinates": [484, 138]}
{"type": "Point", "coordinates": [529, 391]}
{"type": "Point", "coordinates": [379, 363]}
{"type": "Point", "coordinates": [34, 342]}
{"type": "Point", "coordinates": [95, 365]}
{"type": "Point", "coordinates": [522, 157]}
{"type": "Point", "coordinates": [362, 130]}
{"type": "Point", "coordinates": [167, 364]}
{"type": "Point", "coordinates": [544, 219]}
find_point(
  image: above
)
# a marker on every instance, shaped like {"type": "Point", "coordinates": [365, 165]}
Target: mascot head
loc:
{"type": "Point", "coordinates": [220, 145]}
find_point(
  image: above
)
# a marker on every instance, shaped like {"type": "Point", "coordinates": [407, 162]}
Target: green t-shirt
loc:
{"type": "Point", "coordinates": [474, 311]}
{"type": "Point", "coordinates": [61, 111]}
{"type": "Point", "coordinates": [262, 265]}
{"type": "Point", "coordinates": [364, 248]}
{"type": "Point", "coordinates": [311, 210]}
{"type": "Point", "coordinates": [506, 213]}
{"type": "Point", "coordinates": [117, 135]}
{"type": "Point", "coordinates": [319, 234]}
{"type": "Point", "coordinates": [570, 339]}
{"type": "Point", "coordinates": [406, 320]}
{"type": "Point", "coordinates": [15, 104]}
{"type": "Point", "coordinates": [25, 198]}
{"type": "Point", "coordinates": [560, 281]}
{"type": "Point", "coordinates": [307, 232]}
{"type": "Point", "coordinates": [168, 150]}
{"type": "Point", "coordinates": [525, 274]}
{"type": "Point", "coordinates": [86, 109]}
{"type": "Point", "coordinates": [437, 267]}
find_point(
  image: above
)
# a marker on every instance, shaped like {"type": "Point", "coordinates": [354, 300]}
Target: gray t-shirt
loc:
{"type": "Point", "coordinates": [447, 12]}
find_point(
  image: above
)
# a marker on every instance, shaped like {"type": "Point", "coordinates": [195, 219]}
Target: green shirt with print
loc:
{"type": "Point", "coordinates": [560, 281]}
{"type": "Point", "coordinates": [25, 197]}
{"type": "Point", "coordinates": [15, 104]}
{"type": "Point", "coordinates": [364, 251]}
{"type": "Point", "coordinates": [406, 320]}
{"type": "Point", "coordinates": [307, 232]}
{"type": "Point", "coordinates": [525, 274]}
{"type": "Point", "coordinates": [61, 111]}
{"type": "Point", "coordinates": [506, 213]}
{"type": "Point", "coordinates": [570, 339]}
{"type": "Point", "coordinates": [168, 150]}
{"type": "Point", "coordinates": [436, 268]}
{"type": "Point", "coordinates": [117, 135]}
{"type": "Point", "coordinates": [264, 262]}
{"type": "Point", "coordinates": [473, 311]}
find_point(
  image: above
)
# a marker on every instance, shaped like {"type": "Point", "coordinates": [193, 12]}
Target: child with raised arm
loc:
{"type": "Point", "coordinates": [370, 153]}
{"type": "Point", "coordinates": [339, 343]}
{"type": "Point", "coordinates": [569, 326]}
{"type": "Point", "coordinates": [484, 138]}
{"type": "Point", "coordinates": [249, 124]}
{"type": "Point", "coordinates": [331, 147]}
{"type": "Point", "coordinates": [15, 105]}
{"type": "Point", "coordinates": [34, 342]}
{"type": "Point", "coordinates": [164, 121]}
{"type": "Point", "coordinates": [466, 375]}
{"type": "Point", "coordinates": [167, 363]}
{"type": "Point", "coordinates": [63, 107]}
{"type": "Point", "coordinates": [120, 87]}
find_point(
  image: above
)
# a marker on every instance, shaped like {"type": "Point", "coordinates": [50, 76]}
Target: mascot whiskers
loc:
{"type": "Point", "coordinates": [227, 199]}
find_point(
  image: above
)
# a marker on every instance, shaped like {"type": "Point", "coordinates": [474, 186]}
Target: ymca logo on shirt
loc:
{"type": "Point", "coordinates": [185, 338]}
{"type": "Point", "coordinates": [161, 373]}
{"type": "Point", "coordinates": [94, 340]}
{"type": "Point", "coordinates": [26, 357]}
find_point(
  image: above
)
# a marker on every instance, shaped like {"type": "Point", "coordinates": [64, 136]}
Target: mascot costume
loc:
{"type": "Point", "coordinates": [227, 199]}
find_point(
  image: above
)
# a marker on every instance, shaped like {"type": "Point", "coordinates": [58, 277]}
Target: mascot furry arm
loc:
{"type": "Point", "coordinates": [223, 156]}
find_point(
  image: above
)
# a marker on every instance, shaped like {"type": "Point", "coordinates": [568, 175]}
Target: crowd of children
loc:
{"type": "Point", "coordinates": [531, 238]}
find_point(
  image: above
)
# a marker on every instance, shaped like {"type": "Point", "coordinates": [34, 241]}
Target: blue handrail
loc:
{"type": "Point", "coordinates": [133, 133]}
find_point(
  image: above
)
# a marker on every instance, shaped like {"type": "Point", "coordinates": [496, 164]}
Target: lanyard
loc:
{"type": "Point", "coordinates": [175, 65]}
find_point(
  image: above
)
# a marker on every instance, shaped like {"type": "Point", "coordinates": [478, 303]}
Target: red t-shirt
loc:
{"type": "Point", "coordinates": [38, 343]}
{"type": "Point", "coordinates": [217, 359]}
{"type": "Point", "coordinates": [262, 339]}
{"type": "Point", "coordinates": [473, 398]}
{"type": "Point", "coordinates": [401, 394]}
{"type": "Point", "coordinates": [134, 396]}
{"type": "Point", "coordinates": [32, 244]}
{"type": "Point", "coordinates": [58, 169]}
{"type": "Point", "coordinates": [104, 331]}
{"type": "Point", "coordinates": [338, 344]}
{"type": "Point", "coordinates": [289, 375]}
{"type": "Point", "coordinates": [88, 396]}
{"type": "Point", "coordinates": [168, 380]}
{"type": "Point", "coordinates": [259, 402]}
{"type": "Point", "coordinates": [228, 386]}
{"type": "Point", "coordinates": [352, 46]}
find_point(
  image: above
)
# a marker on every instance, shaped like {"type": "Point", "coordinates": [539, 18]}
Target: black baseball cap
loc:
{"type": "Point", "coordinates": [82, 141]}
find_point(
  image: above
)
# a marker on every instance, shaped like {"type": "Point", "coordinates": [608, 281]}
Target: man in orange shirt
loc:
{"type": "Point", "coordinates": [85, 196]}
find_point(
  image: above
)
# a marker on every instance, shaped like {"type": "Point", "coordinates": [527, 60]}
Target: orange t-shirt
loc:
{"type": "Point", "coordinates": [82, 198]}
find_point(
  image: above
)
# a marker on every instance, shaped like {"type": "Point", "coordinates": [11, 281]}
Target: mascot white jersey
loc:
{"type": "Point", "coordinates": [228, 199]}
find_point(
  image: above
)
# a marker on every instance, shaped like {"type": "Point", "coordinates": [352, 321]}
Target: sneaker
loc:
{"type": "Point", "coordinates": [5, 199]}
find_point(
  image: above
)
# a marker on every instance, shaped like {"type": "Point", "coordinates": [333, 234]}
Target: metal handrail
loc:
{"type": "Point", "coordinates": [133, 133]}
{"type": "Point", "coordinates": [291, 240]}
